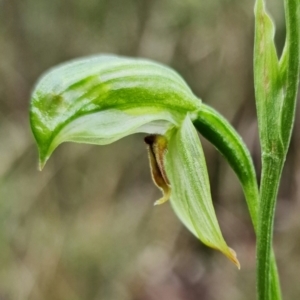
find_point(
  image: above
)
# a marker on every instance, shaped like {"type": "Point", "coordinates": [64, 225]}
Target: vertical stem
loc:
{"type": "Point", "coordinates": [271, 172]}
{"type": "Point", "coordinates": [275, 132]}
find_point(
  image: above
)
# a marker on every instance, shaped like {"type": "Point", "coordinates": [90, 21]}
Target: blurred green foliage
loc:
{"type": "Point", "coordinates": [85, 227]}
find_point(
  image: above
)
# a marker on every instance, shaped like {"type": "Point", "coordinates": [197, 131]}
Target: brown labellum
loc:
{"type": "Point", "coordinates": [157, 147]}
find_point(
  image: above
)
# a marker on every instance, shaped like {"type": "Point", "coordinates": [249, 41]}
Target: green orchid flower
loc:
{"type": "Point", "coordinates": [101, 99]}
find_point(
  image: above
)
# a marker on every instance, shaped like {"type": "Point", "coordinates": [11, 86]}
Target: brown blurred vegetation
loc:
{"type": "Point", "coordinates": [85, 227]}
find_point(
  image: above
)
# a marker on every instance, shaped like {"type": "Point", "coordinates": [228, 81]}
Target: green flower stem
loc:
{"type": "Point", "coordinates": [279, 95]}
{"type": "Point", "coordinates": [224, 137]}
{"type": "Point", "coordinates": [271, 173]}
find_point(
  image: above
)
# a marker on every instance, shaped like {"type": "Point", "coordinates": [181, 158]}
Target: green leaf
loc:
{"type": "Point", "coordinates": [276, 82]}
{"type": "Point", "coordinates": [267, 80]}
{"type": "Point", "coordinates": [190, 188]}
{"type": "Point", "coordinates": [103, 98]}
{"type": "Point", "coordinates": [290, 69]}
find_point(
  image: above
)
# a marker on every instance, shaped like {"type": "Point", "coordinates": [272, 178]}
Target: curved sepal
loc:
{"type": "Point", "coordinates": [190, 188]}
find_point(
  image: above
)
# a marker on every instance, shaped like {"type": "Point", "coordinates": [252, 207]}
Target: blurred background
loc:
{"type": "Point", "coordinates": [85, 227]}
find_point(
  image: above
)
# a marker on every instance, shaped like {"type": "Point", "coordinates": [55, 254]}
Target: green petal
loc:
{"type": "Point", "coordinates": [80, 100]}
{"type": "Point", "coordinates": [190, 189]}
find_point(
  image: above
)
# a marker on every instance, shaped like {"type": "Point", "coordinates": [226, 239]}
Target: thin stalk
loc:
{"type": "Point", "coordinates": [275, 133]}
{"type": "Point", "coordinates": [271, 172]}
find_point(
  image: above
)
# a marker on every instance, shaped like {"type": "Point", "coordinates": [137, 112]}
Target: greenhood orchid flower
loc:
{"type": "Point", "coordinates": [101, 99]}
